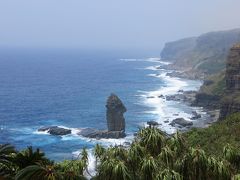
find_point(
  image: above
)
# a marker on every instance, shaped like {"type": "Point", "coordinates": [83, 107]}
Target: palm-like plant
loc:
{"type": "Point", "coordinates": [6, 157]}
{"type": "Point", "coordinates": [135, 156]}
{"type": "Point", "coordinates": [30, 157]}
{"type": "Point", "coordinates": [113, 169]}
{"type": "Point", "coordinates": [194, 165]}
{"type": "Point", "coordinates": [177, 144]}
{"type": "Point", "coordinates": [72, 169]}
{"type": "Point", "coordinates": [236, 177]}
{"type": "Point", "coordinates": [120, 171]}
{"type": "Point", "coordinates": [98, 151]}
{"type": "Point", "coordinates": [38, 172]}
{"type": "Point", "coordinates": [168, 174]}
{"type": "Point", "coordinates": [148, 167]}
{"type": "Point", "coordinates": [152, 139]}
{"type": "Point", "coordinates": [231, 155]}
{"type": "Point", "coordinates": [167, 157]}
{"type": "Point", "coordinates": [84, 156]}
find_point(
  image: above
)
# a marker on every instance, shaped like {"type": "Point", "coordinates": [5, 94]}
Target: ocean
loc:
{"type": "Point", "coordinates": [69, 88]}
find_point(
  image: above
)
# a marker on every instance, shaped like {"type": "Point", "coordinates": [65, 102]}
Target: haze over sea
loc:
{"type": "Point", "coordinates": [69, 88]}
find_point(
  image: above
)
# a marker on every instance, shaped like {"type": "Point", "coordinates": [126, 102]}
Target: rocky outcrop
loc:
{"type": "Point", "coordinates": [195, 115]}
{"type": "Point", "coordinates": [152, 123]}
{"type": "Point", "coordinates": [231, 100]}
{"type": "Point", "coordinates": [98, 134]}
{"type": "Point", "coordinates": [208, 101]}
{"type": "Point", "coordinates": [115, 121]}
{"type": "Point", "coordinates": [114, 114]}
{"type": "Point", "coordinates": [182, 122]}
{"type": "Point", "coordinates": [229, 107]}
{"type": "Point", "coordinates": [55, 130]}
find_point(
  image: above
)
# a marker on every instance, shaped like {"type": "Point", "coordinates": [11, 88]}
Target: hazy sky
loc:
{"type": "Point", "coordinates": [144, 24]}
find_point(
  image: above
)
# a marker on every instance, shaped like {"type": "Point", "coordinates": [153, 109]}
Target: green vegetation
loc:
{"type": "Point", "coordinates": [215, 84]}
{"type": "Point", "coordinates": [213, 138]}
{"type": "Point", "coordinates": [200, 154]}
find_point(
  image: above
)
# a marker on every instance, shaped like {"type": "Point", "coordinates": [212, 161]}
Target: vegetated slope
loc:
{"type": "Point", "coordinates": [214, 84]}
{"type": "Point", "coordinates": [213, 138]}
{"type": "Point", "coordinates": [206, 53]}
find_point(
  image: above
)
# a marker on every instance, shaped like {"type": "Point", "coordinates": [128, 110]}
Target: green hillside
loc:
{"type": "Point", "coordinates": [206, 52]}
{"type": "Point", "coordinates": [213, 138]}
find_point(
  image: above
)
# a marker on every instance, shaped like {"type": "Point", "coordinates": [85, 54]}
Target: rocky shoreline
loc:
{"type": "Point", "coordinates": [116, 121]}
{"type": "Point", "coordinates": [189, 98]}
{"type": "Point", "coordinates": [116, 109]}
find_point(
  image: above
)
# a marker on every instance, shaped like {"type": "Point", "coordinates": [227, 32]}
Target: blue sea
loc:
{"type": "Point", "coordinates": [69, 88]}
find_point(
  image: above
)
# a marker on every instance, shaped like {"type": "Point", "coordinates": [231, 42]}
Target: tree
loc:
{"type": "Point", "coordinates": [168, 174]}
{"type": "Point", "coordinates": [148, 167]}
{"type": "Point", "coordinates": [38, 172]}
{"type": "Point", "coordinates": [152, 139]}
{"type": "Point", "coordinates": [30, 157]}
{"type": "Point", "coordinates": [7, 168]}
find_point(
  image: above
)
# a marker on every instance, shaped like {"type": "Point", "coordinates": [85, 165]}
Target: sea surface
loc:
{"type": "Point", "coordinates": [69, 88]}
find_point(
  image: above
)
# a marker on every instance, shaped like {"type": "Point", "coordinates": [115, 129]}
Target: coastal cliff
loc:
{"type": "Point", "coordinates": [231, 100]}
{"type": "Point", "coordinates": [205, 57]}
{"type": "Point", "coordinates": [206, 53]}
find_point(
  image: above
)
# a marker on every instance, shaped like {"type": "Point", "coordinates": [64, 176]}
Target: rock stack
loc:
{"type": "Point", "coordinates": [115, 123]}
{"type": "Point", "coordinates": [114, 114]}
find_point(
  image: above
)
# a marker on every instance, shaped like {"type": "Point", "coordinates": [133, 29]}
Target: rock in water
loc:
{"type": "Point", "coordinates": [115, 111]}
{"type": "Point", "coordinates": [55, 130]}
{"type": "Point", "coordinates": [152, 123]}
{"type": "Point", "coordinates": [181, 122]}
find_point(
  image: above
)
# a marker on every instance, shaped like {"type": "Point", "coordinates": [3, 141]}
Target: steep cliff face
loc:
{"type": "Point", "coordinates": [233, 69]}
{"type": "Point", "coordinates": [206, 53]}
{"type": "Point", "coordinates": [231, 100]}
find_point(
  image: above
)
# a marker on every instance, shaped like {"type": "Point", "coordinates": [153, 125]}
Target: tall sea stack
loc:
{"type": "Point", "coordinates": [114, 114]}
{"type": "Point", "coordinates": [231, 101]}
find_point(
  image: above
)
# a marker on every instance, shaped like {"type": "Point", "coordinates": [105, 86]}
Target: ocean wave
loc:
{"type": "Point", "coordinates": [91, 169]}
{"type": "Point", "coordinates": [131, 60]}
{"type": "Point", "coordinates": [165, 111]}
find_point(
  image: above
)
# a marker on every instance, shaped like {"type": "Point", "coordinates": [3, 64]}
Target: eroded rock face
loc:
{"type": "Point", "coordinates": [114, 114]}
{"type": "Point", "coordinates": [231, 103]}
{"type": "Point", "coordinates": [182, 122]}
{"type": "Point", "coordinates": [233, 69]}
{"type": "Point", "coordinates": [98, 134]}
{"type": "Point", "coordinates": [207, 100]}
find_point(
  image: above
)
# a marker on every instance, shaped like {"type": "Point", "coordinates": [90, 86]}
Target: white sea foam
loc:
{"type": "Point", "coordinates": [154, 68]}
{"type": "Point", "coordinates": [131, 60]}
{"type": "Point", "coordinates": [151, 59]}
{"type": "Point", "coordinates": [41, 132]}
{"type": "Point", "coordinates": [106, 143]}
{"type": "Point", "coordinates": [166, 110]}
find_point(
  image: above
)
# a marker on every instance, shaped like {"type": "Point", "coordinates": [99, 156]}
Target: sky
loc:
{"type": "Point", "coordinates": [106, 24]}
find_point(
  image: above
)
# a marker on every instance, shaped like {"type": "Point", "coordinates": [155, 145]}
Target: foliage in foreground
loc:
{"type": "Point", "coordinates": [215, 137]}
{"type": "Point", "coordinates": [152, 155]}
